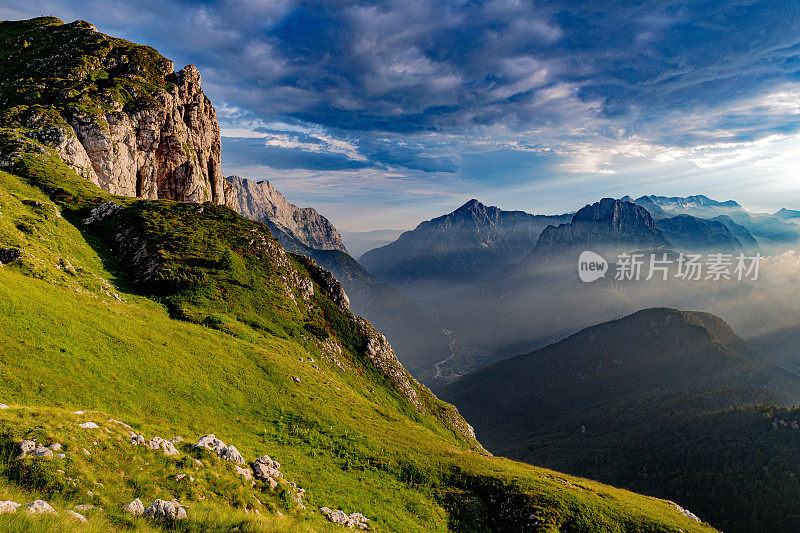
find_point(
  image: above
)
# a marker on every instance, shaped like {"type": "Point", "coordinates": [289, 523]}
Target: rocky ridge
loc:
{"type": "Point", "coordinates": [262, 202]}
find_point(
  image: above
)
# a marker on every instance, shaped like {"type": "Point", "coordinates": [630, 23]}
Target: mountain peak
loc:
{"type": "Point", "coordinates": [470, 205]}
{"type": "Point", "coordinates": [608, 222]}
{"type": "Point", "coordinates": [263, 202]}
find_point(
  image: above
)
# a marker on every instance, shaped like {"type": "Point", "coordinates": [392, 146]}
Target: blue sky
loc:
{"type": "Point", "coordinates": [380, 114]}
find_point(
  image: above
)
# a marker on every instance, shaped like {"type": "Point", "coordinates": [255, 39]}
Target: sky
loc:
{"type": "Point", "coordinates": [382, 114]}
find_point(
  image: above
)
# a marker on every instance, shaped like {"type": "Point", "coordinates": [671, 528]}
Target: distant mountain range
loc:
{"type": "Point", "coordinates": [645, 401]}
{"type": "Point", "coordinates": [472, 242]}
{"type": "Point", "coordinates": [770, 230]}
{"type": "Point", "coordinates": [519, 268]}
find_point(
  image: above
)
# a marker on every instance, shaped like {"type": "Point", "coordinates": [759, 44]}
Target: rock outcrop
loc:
{"type": "Point", "coordinates": [228, 453]}
{"type": "Point", "coordinates": [145, 131]}
{"type": "Point", "coordinates": [339, 517]}
{"type": "Point", "coordinates": [7, 506]}
{"type": "Point", "coordinates": [164, 510]}
{"type": "Point", "coordinates": [262, 202]}
{"type": "Point", "coordinates": [157, 443]}
{"type": "Point", "coordinates": [267, 469]}
{"type": "Point", "coordinates": [168, 151]}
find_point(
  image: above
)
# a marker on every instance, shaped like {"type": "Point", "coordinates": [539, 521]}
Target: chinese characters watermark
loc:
{"type": "Point", "coordinates": [664, 266]}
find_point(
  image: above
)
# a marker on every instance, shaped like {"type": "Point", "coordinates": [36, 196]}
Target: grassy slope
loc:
{"type": "Point", "coordinates": [89, 340]}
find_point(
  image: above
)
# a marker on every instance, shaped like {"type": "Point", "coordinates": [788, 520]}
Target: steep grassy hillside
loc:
{"type": "Point", "coordinates": [187, 319]}
{"type": "Point", "coordinates": [662, 402]}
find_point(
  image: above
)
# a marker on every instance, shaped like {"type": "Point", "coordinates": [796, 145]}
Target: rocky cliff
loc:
{"type": "Point", "coordinates": [115, 111]}
{"type": "Point", "coordinates": [262, 202]}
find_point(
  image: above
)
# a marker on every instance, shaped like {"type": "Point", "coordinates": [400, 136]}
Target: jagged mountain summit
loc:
{"type": "Point", "coordinates": [259, 200]}
{"type": "Point", "coordinates": [773, 230]}
{"type": "Point", "coordinates": [787, 214]}
{"type": "Point", "coordinates": [608, 223]}
{"type": "Point", "coordinates": [115, 111]}
{"type": "Point", "coordinates": [473, 241]}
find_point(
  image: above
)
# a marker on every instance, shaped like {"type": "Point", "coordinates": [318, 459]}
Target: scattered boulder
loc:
{"type": "Point", "coordinates": [8, 506]}
{"type": "Point", "coordinates": [41, 451]}
{"type": "Point", "coordinates": [4, 406]}
{"type": "Point", "coordinates": [136, 507]}
{"type": "Point", "coordinates": [27, 446]}
{"type": "Point", "coordinates": [265, 468]}
{"type": "Point", "coordinates": [38, 507]}
{"type": "Point", "coordinates": [212, 443]}
{"type": "Point", "coordinates": [137, 439]}
{"type": "Point", "coordinates": [9, 255]}
{"type": "Point", "coordinates": [228, 453]}
{"type": "Point", "coordinates": [77, 516]}
{"type": "Point", "coordinates": [339, 517]}
{"type": "Point", "coordinates": [56, 446]}
{"type": "Point", "coordinates": [166, 446]}
{"type": "Point", "coordinates": [164, 510]}
{"type": "Point", "coordinates": [88, 425]}
{"type": "Point", "coordinates": [245, 473]}
{"type": "Point", "coordinates": [296, 379]}
{"type": "Point", "coordinates": [231, 454]}
{"type": "Point", "coordinates": [85, 507]}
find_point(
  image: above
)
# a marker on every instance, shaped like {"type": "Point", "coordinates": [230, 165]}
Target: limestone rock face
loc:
{"type": "Point", "coordinates": [168, 151]}
{"type": "Point", "coordinates": [262, 202]}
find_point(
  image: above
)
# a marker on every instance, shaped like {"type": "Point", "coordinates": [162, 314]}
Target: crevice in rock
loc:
{"type": "Point", "coordinates": [212, 180]}
{"type": "Point", "coordinates": [139, 182]}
